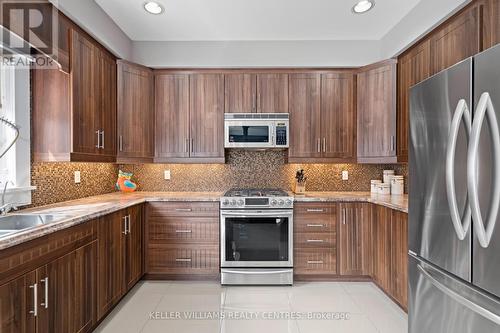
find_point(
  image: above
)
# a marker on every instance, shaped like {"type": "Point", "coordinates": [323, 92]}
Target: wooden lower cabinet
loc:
{"type": "Point", "coordinates": [183, 240]}
{"type": "Point", "coordinates": [381, 246]}
{"type": "Point", "coordinates": [120, 256]}
{"type": "Point", "coordinates": [315, 239]}
{"type": "Point", "coordinates": [355, 239]}
{"type": "Point", "coordinates": [16, 303]}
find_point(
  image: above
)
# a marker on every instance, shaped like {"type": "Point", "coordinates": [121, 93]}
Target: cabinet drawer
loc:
{"type": "Point", "coordinates": [172, 209]}
{"type": "Point", "coordinates": [184, 230]}
{"type": "Point", "coordinates": [315, 240]}
{"type": "Point", "coordinates": [314, 225]}
{"type": "Point", "coordinates": [315, 261]}
{"type": "Point", "coordinates": [315, 210]}
{"type": "Point", "coordinates": [183, 260]}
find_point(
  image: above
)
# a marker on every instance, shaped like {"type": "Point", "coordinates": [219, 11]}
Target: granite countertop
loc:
{"type": "Point", "coordinates": [82, 210]}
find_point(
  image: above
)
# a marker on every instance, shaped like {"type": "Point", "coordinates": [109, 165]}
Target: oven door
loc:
{"type": "Point", "coordinates": [249, 134]}
{"type": "Point", "coordinates": [257, 238]}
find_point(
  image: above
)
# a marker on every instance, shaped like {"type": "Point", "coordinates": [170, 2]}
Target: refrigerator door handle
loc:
{"type": "Point", "coordinates": [459, 298]}
{"type": "Point", "coordinates": [461, 225]}
{"type": "Point", "coordinates": [484, 108]}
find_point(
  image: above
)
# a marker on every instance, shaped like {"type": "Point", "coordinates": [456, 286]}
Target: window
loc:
{"type": "Point", "coordinates": [15, 106]}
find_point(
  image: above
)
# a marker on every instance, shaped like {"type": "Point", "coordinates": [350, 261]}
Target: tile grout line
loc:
{"type": "Point", "coordinates": [357, 304]}
{"type": "Point", "coordinates": [156, 306]}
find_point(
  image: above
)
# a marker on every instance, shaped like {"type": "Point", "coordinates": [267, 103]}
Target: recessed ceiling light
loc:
{"type": "Point", "coordinates": [363, 6]}
{"type": "Point", "coordinates": [153, 7]}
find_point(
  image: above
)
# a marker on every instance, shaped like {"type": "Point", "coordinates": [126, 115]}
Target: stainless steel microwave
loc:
{"type": "Point", "coordinates": [256, 130]}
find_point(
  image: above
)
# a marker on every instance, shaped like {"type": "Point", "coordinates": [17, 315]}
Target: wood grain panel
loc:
{"type": "Point", "coordinates": [183, 209]}
{"type": "Point", "coordinates": [315, 240]}
{"type": "Point", "coordinates": [133, 248]}
{"type": "Point", "coordinates": [381, 241]}
{"type": "Point", "coordinates": [135, 113]}
{"type": "Point", "coordinates": [338, 116]}
{"type": "Point", "coordinates": [413, 67]}
{"type": "Point", "coordinates": [305, 115]}
{"type": "Point", "coordinates": [172, 116]}
{"type": "Point", "coordinates": [240, 93]}
{"type": "Point", "coordinates": [272, 93]}
{"type": "Point", "coordinates": [376, 105]}
{"type": "Point", "coordinates": [315, 261]}
{"type": "Point", "coordinates": [399, 257]}
{"type": "Point", "coordinates": [16, 302]}
{"type": "Point", "coordinates": [206, 104]}
{"type": "Point", "coordinates": [183, 259]}
{"type": "Point", "coordinates": [172, 230]}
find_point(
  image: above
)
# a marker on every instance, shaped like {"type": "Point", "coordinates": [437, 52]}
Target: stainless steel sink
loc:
{"type": "Point", "coordinates": [19, 222]}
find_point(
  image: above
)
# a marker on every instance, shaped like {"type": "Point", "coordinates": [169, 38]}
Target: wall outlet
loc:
{"type": "Point", "coordinates": [78, 178]}
{"type": "Point", "coordinates": [167, 175]}
{"type": "Point", "coordinates": [345, 175]}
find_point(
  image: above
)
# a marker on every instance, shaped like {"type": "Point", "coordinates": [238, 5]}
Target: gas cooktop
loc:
{"type": "Point", "coordinates": [256, 198]}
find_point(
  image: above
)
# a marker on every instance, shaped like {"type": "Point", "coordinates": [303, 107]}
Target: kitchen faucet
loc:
{"type": "Point", "coordinates": [6, 208]}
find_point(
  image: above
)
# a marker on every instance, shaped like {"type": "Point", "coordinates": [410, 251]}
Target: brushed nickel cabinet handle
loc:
{"type": "Point", "coordinates": [311, 210]}
{"type": "Point", "coordinates": [34, 312]}
{"type": "Point", "coordinates": [102, 141]}
{"type": "Point", "coordinates": [315, 225]}
{"type": "Point", "coordinates": [128, 224]}
{"type": "Point", "coordinates": [121, 142]}
{"type": "Point", "coordinates": [315, 262]}
{"type": "Point", "coordinates": [319, 145]}
{"type": "Point", "coordinates": [183, 231]}
{"type": "Point", "coordinates": [186, 146]}
{"type": "Point", "coordinates": [315, 240]}
{"type": "Point", "coordinates": [183, 259]}
{"type": "Point", "coordinates": [183, 210]}
{"type": "Point", "coordinates": [324, 145]}
{"type": "Point", "coordinates": [124, 225]}
{"type": "Point", "coordinates": [98, 146]}
{"type": "Point", "coordinates": [344, 216]}
{"type": "Point", "coordinates": [45, 303]}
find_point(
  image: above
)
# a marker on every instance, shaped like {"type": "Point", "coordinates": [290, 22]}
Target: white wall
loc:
{"type": "Point", "coordinates": [256, 53]}
{"type": "Point", "coordinates": [91, 17]}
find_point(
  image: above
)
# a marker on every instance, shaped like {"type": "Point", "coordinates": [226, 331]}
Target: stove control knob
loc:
{"type": "Point", "coordinates": [233, 202]}
{"type": "Point", "coordinates": [289, 202]}
{"type": "Point", "coordinates": [281, 202]}
{"type": "Point", "coordinates": [225, 202]}
{"type": "Point", "coordinates": [240, 202]}
{"type": "Point", "coordinates": [274, 202]}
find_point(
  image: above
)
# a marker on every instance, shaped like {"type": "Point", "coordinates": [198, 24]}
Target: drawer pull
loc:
{"type": "Point", "coordinates": [315, 225]}
{"type": "Point", "coordinates": [183, 259]}
{"type": "Point", "coordinates": [315, 240]}
{"type": "Point", "coordinates": [315, 262]}
{"type": "Point", "coordinates": [34, 312]}
{"type": "Point", "coordinates": [183, 231]}
{"type": "Point", "coordinates": [316, 210]}
{"type": "Point", "coordinates": [183, 210]}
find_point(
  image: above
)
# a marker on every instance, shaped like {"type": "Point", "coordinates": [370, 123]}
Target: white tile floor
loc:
{"type": "Point", "coordinates": [368, 309]}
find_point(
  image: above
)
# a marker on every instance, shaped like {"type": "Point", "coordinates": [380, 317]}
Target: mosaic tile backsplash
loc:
{"type": "Point", "coordinates": [55, 181]}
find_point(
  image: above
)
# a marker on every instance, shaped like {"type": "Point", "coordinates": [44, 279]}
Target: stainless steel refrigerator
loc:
{"type": "Point", "coordinates": [454, 168]}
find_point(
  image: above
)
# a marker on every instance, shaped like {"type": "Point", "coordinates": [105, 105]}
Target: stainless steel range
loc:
{"type": "Point", "coordinates": [256, 237]}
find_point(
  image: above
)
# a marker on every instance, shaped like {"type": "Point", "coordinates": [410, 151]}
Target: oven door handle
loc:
{"type": "Point", "coordinates": [260, 213]}
{"type": "Point", "coordinates": [259, 272]}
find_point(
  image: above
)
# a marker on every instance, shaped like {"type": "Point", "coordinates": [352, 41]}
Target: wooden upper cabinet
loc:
{"type": "Point", "coordinates": [456, 40]}
{"type": "Point", "coordinates": [240, 93]}
{"type": "Point", "coordinates": [490, 22]}
{"type": "Point", "coordinates": [376, 104]}
{"type": "Point", "coordinates": [355, 239]}
{"type": "Point", "coordinates": [338, 117]}
{"type": "Point", "coordinates": [86, 122]}
{"type": "Point", "coordinates": [305, 115]}
{"type": "Point", "coordinates": [206, 104]}
{"type": "Point", "coordinates": [413, 67]}
{"type": "Point", "coordinates": [272, 93]}
{"type": "Point", "coordinates": [171, 116]}
{"type": "Point", "coordinates": [135, 113]}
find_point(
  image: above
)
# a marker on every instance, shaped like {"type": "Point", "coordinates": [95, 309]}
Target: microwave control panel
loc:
{"type": "Point", "coordinates": [281, 135]}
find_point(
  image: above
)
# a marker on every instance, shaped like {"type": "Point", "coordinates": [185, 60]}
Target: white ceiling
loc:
{"type": "Point", "coordinates": [256, 20]}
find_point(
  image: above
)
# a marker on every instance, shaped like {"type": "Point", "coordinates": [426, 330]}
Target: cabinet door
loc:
{"type": "Point", "coordinates": [272, 93]}
{"type": "Point", "coordinates": [133, 250]}
{"type": "Point", "coordinates": [67, 292]}
{"type": "Point", "coordinates": [381, 246]}
{"type": "Point", "coordinates": [338, 116]}
{"type": "Point", "coordinates": [106, 102]}
{"type": "Point", "coordinates": [17, 300]}
{"type": "Point", "coordinates": [305, 110]}
{"type": "Point", "coordinates": [110, 261]}
{"type": "Point", "coordinates": [83, 81]}
{"type": "Point", "coordinates": [240, 93]}
{"type": "Point", "coordinates": [207, 115]}
{"type": "Point", "coordinates": [171, 116]}
{"type": "Point", "coordinates": [413, 67]}
{"type": "Point", "coordinates": [457, 40]}
{"type": "Point", "coordinates": [135, 113]}
{"type": "Point", "coordinates": [376, 94]}
{"type": "Point", "coordinates": [399, 257]}
{"type": "Point", "coordinates": [355, 239]}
